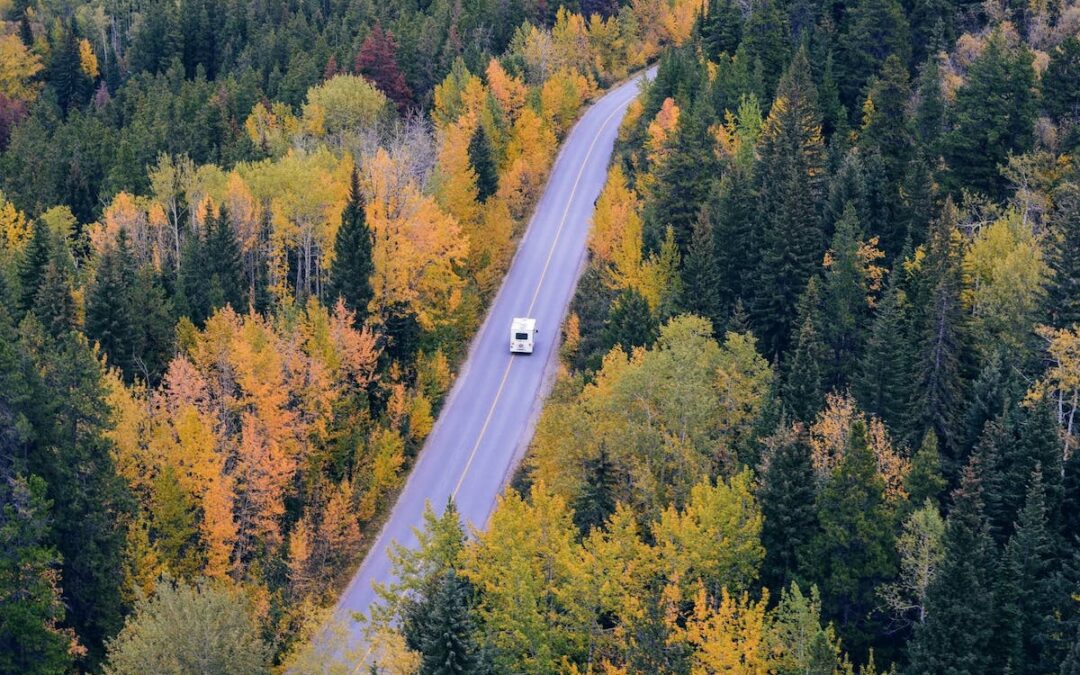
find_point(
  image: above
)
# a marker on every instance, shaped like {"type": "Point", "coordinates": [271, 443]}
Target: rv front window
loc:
{"type": "Point", "coordinates": [521, 336]}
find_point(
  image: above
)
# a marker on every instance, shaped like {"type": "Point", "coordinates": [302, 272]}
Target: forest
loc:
{"type": "Point", "coordinates": [243, 247]}
{"type": "Point", "coordinates": [815, 411]}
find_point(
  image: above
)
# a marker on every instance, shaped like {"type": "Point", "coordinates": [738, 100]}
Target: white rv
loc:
{"type": "Point", "coordinates": [522, 335]}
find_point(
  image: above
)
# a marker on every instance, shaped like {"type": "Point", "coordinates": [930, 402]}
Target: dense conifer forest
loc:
{"type": "Point", "coordinates": [816, 406]}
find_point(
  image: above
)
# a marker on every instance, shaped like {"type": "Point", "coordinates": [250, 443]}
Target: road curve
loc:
{"type": "Point", "coordinates": [488, 417]}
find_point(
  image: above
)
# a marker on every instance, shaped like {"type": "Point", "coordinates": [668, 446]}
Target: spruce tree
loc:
{"type": "Point", "coordinates": [1061, 82]}
{"type": "Point", "coordinates": [29, 643]}
{"type": "Point", "coordinates": [110, 315]}
{"type": "Point", "coordinates": [224, 264]}
{"type": "Point", "coordinates": [36, 257]}
{"type": "Point", "coordinates": [482, 162]}
{"type": "Point", "coordinates": [595, 502]}
{"type": "Point", "coordinates": [766, 39]}
{"type": "Point", "coordinates": [957, 635]}
{"type": "Point", "coordinates": [54, 305]}
{"type": "Point", "coordinates": [446, 645]}
{"type": "Point", "coordinates": [939, 359]}
{"type": "Point", "coordinates": [791, 185]}
{"type": "Point", "coordinates": [155, 324]}
{"type": "Point", "coordinates": [193, 293]}
{"type": "Point", "coordinates": [701, 274]}
{"type": "Point", "coordinates": [90, 501]}
{"type": "Point", "coordinates": [401, 334]}
{"type": "Point", "coordinates": [786, 497]}
{"type": "Point", "coordinates": [885, 120]}
{"type": "Point", "coordinates": [1063, 298]}
{"type": "Point", "coordinates": [993, 117]}
{"type": "Point", "coordinates": [924, 480]}
{"type": "Point", "coordinates": [733, 209]}
{"type": "Point", "coordinates": [882, 385]}
{"type": "Point", "coordinates": [930, 111]}
{"type": "Point", "coordinates": [853, 550]}
{"type": "Point", "coordinates": [886, 129]}
{"type": "Point", "coordinates": [630, 323]}
{"type": "Point", "coordinates": [844, 306]}
{"type": "Point", "coordinates": [684, 179]}
{"type": "Point", "coordinates": [873, 31]}
{"type": "Point", "coordinates": [1028, 591]}
{"type": "Point", "coordinates": [803, 386]}
{"type": "Point", "coordinates": [846, 185]}
{"type": "Point", "coordinates": [721, 28]}
{"type": "Point", "coordinates": [350, 274]}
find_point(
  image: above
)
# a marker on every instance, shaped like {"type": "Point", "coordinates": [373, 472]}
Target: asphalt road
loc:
{"type": "Point", "coordinates": [490, 412]}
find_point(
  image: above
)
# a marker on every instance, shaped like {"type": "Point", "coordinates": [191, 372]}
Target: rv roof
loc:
{"type": "Point", "coordinates": [523, 323]}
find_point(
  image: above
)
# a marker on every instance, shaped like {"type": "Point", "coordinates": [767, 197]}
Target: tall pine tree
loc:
{"type": "Point", "coordinates": [791, 182]}
{"type": "Point", "coordinates": [957, 635]}
{"type": "Point", "coordinates": [350, 274]}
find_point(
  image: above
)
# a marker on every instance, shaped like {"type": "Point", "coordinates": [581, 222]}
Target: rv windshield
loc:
{"type": "Point", "coordinates": [521, 336]}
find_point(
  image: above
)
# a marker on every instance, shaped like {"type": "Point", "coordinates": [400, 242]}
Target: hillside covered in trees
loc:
{"type": "Point", "coordinates": [817, 410]}
{"type": "Point", "coordinates": [243, 246]}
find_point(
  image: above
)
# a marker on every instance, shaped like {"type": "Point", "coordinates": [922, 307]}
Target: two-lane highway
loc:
{"type": "Point", "coordinates": [489, 414]}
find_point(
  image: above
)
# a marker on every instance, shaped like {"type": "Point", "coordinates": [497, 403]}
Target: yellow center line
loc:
{"type": "Point", "coordinates": [483, 429]}
{"type": "Point", "coordinates": [566, 211]}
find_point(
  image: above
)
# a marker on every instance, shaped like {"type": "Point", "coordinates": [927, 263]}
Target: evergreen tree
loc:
{"type": "Point", "coordinates": [886, 128]}
{"type": "Point", "coordinates": [155, 324]}
{"type": "Point", "coordinates": [176, 526]}
{"type": "Point", "coordinates": [732, 210]}
{"type": "Point", "coordinates": [883, 386]}
{"type": "Point", "coordinates": [1064, 292]}
{"type": "Point", "coordinates": [36, 257]}
{"type": "Point", "coordinates": [930, 111]}
{"type": "Point", "coordinates": [993, 117]}
{"type": "Point", "coordinates": [630, 323]}
{"type": "Point", "coordinates": [939, 360]}
{"type": "Point", "coordinates": [1028, 591]}
{"type": "Point", "coordinates": [844, 307]}
{"type": "Point", "coordinates": [924, 481]}
{"type": "Point", "coordinates": [595, 502]}
{"type": "Point", "coordinates": [766, 38]}
{"type": "Point", "coordinates": [875, 30]}
{"type": "Point", "coordinates": [110, 314]}
{"type": "Point", "coordinates": [721, 28]}
{"type": "Point", "coordinates": [350, 274]}
{"type": "Point", "coordinates": [957, 636]}
{"type": "Point", "coordinates": [1010, 450]}
{"type": "Point", "coordinates": [193, 293]}
{"type": "Point", "coordinates": [74, 458]}
{"type": "Point", "coordinates": [701, 274]}
{"type": "Point", "coordinates": [65, 73]}
{"type": "Point", "coordinates": [918, 200]}
{"type": "Point", "coordinates": [853, 550]}
{"type": "Point", "coordinates": [803, 387]}
{"type": "Point", "coordinates": [791, 185]}
{"type": "Point", "coordinates": [991, 395]}
{"type": "Point", "coordinates": [54, 305]}
{"type": "Point", "coordinates": [684, 180]}
{"type": "Point", "coordinates": [482, 162]}
{"type": "Point", "coordinates": [224, 264]}
{"type": "Point", "coordinates": [401, 334]}
{"type": "Point", "coordinates": [31, 608]}
{"type": "Point", "coordinates": [847, 185]}
{"type": "Point", "coordinates": [787, 498]}
{"type": "Point", "coordinates": [446, 642]}
{"type": "Point", "coordinates": [1061, 82]}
